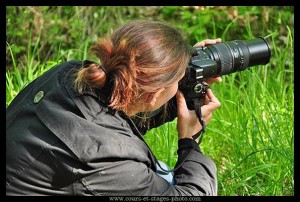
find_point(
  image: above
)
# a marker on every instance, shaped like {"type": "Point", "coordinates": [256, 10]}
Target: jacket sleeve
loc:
{"type": "Point", "coordinates": [198, 172]}
{"type": "Point", "coordinates": [196, 176]}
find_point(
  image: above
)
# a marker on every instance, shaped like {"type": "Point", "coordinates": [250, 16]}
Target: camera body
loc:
{"type": "Point", "coordinates": [221, 59]}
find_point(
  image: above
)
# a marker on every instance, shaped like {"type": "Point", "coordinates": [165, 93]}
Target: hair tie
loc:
{"type": "Point", "coordinates": [100, 66]}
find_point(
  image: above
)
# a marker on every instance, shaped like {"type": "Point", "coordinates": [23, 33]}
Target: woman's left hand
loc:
{"type": "Point", "coordinates": [207, 42]}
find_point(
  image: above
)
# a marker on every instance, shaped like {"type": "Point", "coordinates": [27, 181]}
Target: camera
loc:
{"type": "Point", "coordinates": [221, 59]}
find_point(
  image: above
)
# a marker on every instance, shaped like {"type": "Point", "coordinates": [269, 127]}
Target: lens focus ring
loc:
{"type": "Point", "coordinates": [225, 56]}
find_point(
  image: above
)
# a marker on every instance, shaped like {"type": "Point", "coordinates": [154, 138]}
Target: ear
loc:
{"type": "Point", "coordinates": [152, 98]}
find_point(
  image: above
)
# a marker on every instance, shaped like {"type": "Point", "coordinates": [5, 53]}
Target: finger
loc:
{"type": "Point", "coordinates": [218, 79]}
{"type": "Point", "coordinates": [205, 100]}
{"type": "Point", "coordinates": [209, 108]}
{"type": "Point", "coordinates": [208, 42]}
{"type": "Point", "coordinates": [212, 105]}
{"type": "Point", "coordinates": [210, 81]}
{"type": "Point", "coordinates": [207, 117]}
{"type": "Point", "coordinates": [181, 104]}
{"type": "Point", "coordinates": [213, 99]}
{"type": "Point", "coordinates": [201, 44]}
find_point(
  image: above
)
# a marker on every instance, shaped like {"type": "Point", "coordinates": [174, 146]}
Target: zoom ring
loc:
{"type": "Point", "coordinates": [226, 58]}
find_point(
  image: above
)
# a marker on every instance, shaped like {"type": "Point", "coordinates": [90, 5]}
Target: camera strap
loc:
{"type": "Point", "coordinates": [197, 106]}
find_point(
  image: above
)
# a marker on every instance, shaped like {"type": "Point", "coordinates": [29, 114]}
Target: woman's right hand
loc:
{"type": "Point", "coordinates": [188, 123]}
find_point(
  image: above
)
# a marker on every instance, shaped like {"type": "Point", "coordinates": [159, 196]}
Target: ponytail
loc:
{"type": "Point", "coordinates": [117, 63]}
{"type": "Point", "coordinates": [88, 78]}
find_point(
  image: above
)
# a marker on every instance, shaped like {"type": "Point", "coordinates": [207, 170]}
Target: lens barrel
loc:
{"type": "Point", "coordinates": [238, 55]}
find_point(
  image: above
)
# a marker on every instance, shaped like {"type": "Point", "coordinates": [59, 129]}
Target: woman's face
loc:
{"type": "Point", "coordinates": [167, 94]}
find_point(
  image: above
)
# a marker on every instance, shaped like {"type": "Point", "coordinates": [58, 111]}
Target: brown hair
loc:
{"type": "Point", "coordinates": [141, 56]}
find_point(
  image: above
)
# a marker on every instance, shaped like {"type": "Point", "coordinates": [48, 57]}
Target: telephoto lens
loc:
{"type": "Point", "coordinates": [234, 56]}
{"type": "Point", "coordinates": [221, 59]}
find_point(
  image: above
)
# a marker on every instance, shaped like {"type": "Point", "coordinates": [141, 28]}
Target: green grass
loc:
{"type": "Point", "coordinates": [250, 137]}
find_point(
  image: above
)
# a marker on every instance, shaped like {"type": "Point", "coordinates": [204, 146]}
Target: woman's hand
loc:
{"type": "Point", "coordinates": [208, 42]}
{"type": "Point", "coordinates": [188, 123]}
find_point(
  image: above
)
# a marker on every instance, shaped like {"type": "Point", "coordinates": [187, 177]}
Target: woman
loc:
{"type": "Point", "coordinates": [75, 130]}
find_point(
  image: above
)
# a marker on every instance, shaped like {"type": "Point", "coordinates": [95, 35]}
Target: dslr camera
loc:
{"type": "Point", "coordinates": [221, 59]}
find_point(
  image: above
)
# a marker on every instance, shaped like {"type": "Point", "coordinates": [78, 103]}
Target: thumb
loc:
{"type": "Point", "coordinates": [181, 104]}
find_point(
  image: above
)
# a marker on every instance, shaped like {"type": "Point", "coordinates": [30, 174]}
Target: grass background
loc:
{"type": "Point", "coordinates": [250, 138]}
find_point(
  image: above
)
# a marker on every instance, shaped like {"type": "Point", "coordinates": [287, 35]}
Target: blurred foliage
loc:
{"type": "Point", "coordinates": [65, 32]}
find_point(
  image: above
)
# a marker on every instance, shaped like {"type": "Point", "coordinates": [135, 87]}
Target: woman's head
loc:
{"type": "Point", "coordinates": [141, 58]}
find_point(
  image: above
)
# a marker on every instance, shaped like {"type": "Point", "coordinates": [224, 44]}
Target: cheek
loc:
{"type": "Point", "coordinates": [173, 91]}
{"type": "Point", "coordinates": [169, 93]}
{"type": "Point", "coordinates": [165, 97]}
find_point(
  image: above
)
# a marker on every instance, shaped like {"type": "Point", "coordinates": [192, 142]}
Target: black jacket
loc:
{"type": "Point", "coordinates": [62, 143]}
